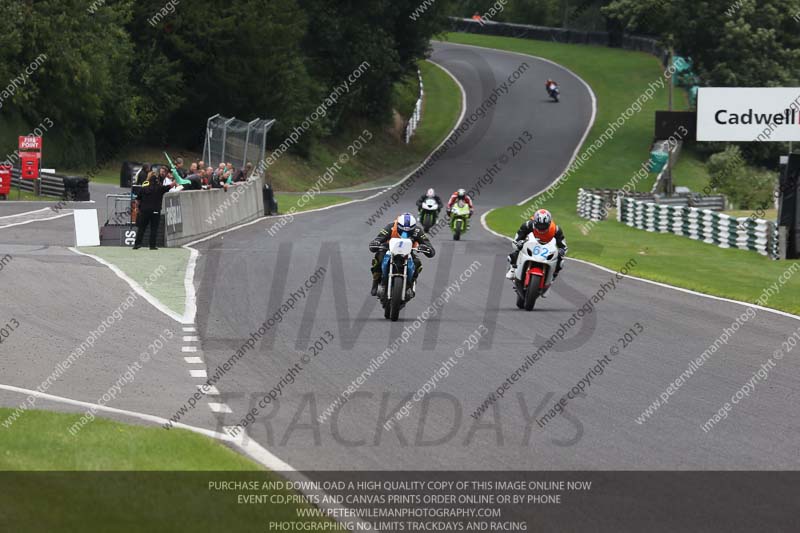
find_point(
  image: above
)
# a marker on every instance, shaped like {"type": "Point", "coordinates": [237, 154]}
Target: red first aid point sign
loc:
{"type": "Point", "coordinates": [30, 155]}
{"type": "Point", "coordinates": [5, 180]}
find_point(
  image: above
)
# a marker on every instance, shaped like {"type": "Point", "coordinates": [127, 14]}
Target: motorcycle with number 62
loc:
{"type": "Point", "coordinates": [536, 265]}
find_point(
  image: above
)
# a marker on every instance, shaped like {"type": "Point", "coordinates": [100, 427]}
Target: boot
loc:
{"type": "Point", "coordinates": [375, 284]}
{"type": "Point", "coordinates": [511, 271]}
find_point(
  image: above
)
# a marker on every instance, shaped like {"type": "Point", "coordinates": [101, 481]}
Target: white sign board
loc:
{"type": "Point", "coordinates": [87, 232]}
{"type": "Point", "coordinates": [751, 114]}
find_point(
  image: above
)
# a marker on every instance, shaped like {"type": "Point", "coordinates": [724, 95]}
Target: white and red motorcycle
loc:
{"type": "Point", "coordinates": [536, 265]}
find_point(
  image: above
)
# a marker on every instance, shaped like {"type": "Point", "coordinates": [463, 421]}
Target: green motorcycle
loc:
{"type": "Point", "coordinates": [459, 219]}
{"type": "Point", "coordinates": [428, 214]}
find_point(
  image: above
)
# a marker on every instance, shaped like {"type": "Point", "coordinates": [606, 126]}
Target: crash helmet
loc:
{"type": "Point", "coordinates": [543, 227]}
{"type": "Point", "coordinates": [406, 222]}
{"type": "Point", "coordinates": [542, 219]}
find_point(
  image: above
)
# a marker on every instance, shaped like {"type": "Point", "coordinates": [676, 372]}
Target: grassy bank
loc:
{"type": "Point", "coordinates": [618, 78]}
{"type": "Point", "coordinates": [118, 477]}
{"type": "Point", "coordinates": [384, 156]}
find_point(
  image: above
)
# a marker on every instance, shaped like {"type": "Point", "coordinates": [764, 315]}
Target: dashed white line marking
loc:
{"type": "Point", "coordinates": [219, 407]}
{"type": "Point", "coordinates": [189, 348]}
{"type": "Point", "coordinates": [209, 390]}
{"type": "Point", "coordinates": [190, 338]}
{"type": "Point", "coordinates": [198, 373]}
{"type": "Point", "coordinates": [193, 360]}
{"type": "Point", "coordinates": [189, 329]}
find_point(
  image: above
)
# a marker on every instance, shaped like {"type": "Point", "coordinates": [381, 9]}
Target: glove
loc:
{"type": "Point", "coordinates": [562, 252]}
{"type": "Point", "coordinates": [425, 249]}
{"type": "Point", "coordinates": [519, 244]}
{"type": "Point", "coordinates": [470, 213]}
{"type": "Point", "coordinates": [376, 247]}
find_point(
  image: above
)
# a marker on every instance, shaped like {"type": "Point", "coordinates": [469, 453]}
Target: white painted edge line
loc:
{"type": "Point", "coordinates": [193, 360]}
{"type": "Point", "coordinates": [591, 120]}
{"type": "Point", "coordinates": [133, 284]}
{"type": "Point", "coordinates": [651, 282]}
{"type": "Point", "coordinates": [248, 447]}
{"type": "Point", "coordinates": [384, 189]}
{"type": "Point", "coordinates": [69, 213]}
{"type": "Point", "coordinates": [24, 212]}
{"type": "Point", "coordinates": [345, 191]}
{"type": "Point", "coordinates": [200, 373]}
{"type": "Point", "coordinates": [190, 303]}
{"type": "Point", "coordinates": [188, 348]}
{"type": "Point", "coordinates": [48, 202]}
{"type": "Point", "coordinates": [219, 407]}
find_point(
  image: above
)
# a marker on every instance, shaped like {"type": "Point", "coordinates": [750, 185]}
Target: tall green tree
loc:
{"type": "Point", "coordinates": [81, 81]}
{"type": "Point", "coordinates": [346, 34]}
{"type": "Point", "coordinates": [732, 43]}
{"type": "Point", "coordinates": [242, 58]}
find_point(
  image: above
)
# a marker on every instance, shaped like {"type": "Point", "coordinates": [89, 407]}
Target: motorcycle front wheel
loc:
{"type": "Point", "coordinates": [397, 300]}
{"type": "Point", "coordinates": [532, 292]}
{"type": "Point", "coordinates": [519, 292]}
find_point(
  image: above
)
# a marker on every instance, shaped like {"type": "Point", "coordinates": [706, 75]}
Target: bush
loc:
{"type": "Point", "coordinates": [745, 187]}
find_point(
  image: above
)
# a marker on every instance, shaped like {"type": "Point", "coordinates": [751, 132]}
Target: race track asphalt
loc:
{"type": "Point", "coordinates": [244, 277]}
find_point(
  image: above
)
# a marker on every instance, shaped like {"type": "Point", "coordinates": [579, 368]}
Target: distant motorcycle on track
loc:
{"type": "Point", "coordinates": [428, 214]}
{"type": "Point", "coordinates": [536, 265]}
{"type": "Point", "coordinates": [459, 219]}
{"type": "Point", "coordinates": [554, 92]}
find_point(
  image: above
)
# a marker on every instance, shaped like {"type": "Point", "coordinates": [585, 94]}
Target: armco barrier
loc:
{"type": "Point", "coordinates": [52, 184]}
{"type": "Point", "coordinates": [701, 224]}
{"type": "Point", "coordinates": [192, 215]}
{"type": "Point", "coordinates": [416, 116]}
{"type": "Point", "coordinates": [561, 35]}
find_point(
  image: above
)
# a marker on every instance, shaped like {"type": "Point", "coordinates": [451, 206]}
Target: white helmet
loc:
{"type": "Point", "coordinates": [406, 222]}
{"type": "Point", "coordinates": [430, 193]}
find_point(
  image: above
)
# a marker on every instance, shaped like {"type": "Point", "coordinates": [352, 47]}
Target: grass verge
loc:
{"type": "Point", "coordinates": [618, 78]}
{"type": "Point", "coordinates": [143, 266]}
{"type": "Point", "coordinates": [28, 196]}
{"type": "Point", "coordinates": [118, 477]}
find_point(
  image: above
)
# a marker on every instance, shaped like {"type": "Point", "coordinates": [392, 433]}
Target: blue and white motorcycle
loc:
{"type": "Point", "coordinates": [398, 268]}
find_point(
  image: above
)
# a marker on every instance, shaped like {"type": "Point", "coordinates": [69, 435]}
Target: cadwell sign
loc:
{"type": "Point", "coordinates": [748, 114]}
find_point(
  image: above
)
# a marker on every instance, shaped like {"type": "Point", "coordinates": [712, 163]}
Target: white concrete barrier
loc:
{"type": "Point", "coordinates": [192, 215]}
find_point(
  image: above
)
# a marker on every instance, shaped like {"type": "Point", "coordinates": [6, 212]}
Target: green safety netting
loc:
{"type": "Point", "coordinates": [657, 160]}
{"type": "Point", "coordinates": [684, 76]}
